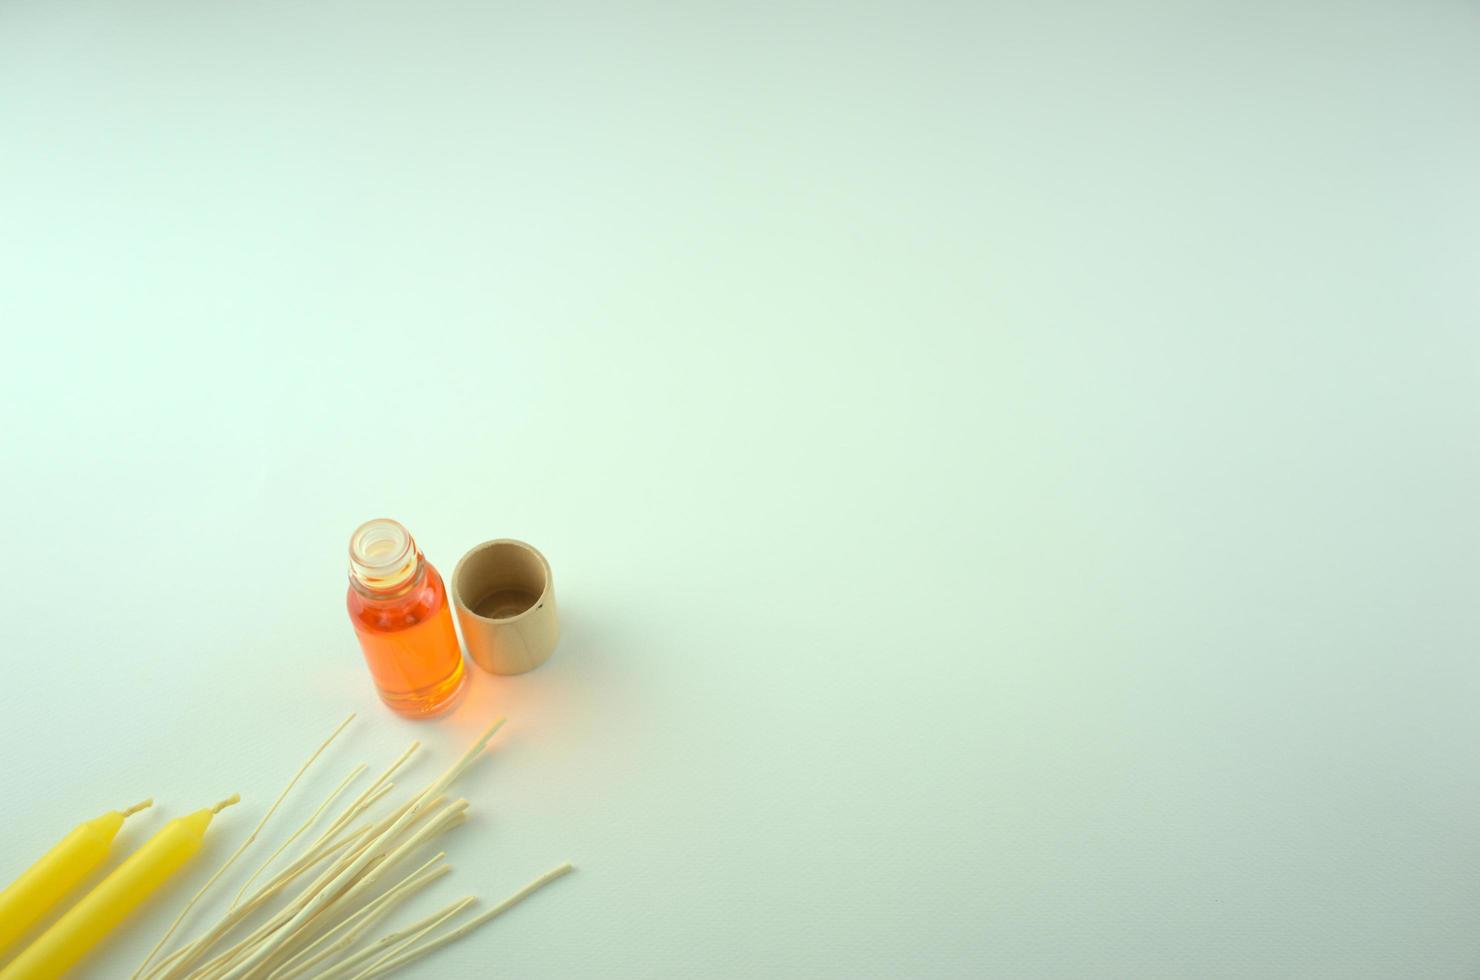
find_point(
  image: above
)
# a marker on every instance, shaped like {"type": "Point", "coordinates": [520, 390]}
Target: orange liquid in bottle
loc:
{"type": "Point", "coordinates": [398, 606]}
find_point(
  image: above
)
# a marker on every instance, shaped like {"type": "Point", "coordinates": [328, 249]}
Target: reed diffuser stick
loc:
{"type": "Point", "coordinates": [307, 824]}
{"type": "Point", "coordinates": [347, 933]}
{"type": "Point", "coordinates": [438, 942]}
{"type": "Point", "coordinates": [244, 845]}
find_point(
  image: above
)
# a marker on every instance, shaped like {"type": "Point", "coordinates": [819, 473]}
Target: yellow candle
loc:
{"type": "Point", "coordinates": [60, 870]}
{"type": "Point", "coordinates": [103, 908]}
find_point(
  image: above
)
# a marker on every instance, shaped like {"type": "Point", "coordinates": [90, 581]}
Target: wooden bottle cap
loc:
{"type": "Point", "coordinates": [505, 599]}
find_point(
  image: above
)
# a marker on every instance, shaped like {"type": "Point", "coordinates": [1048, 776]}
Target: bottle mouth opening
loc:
{"type": "Point", "coordinates": [382, 553]}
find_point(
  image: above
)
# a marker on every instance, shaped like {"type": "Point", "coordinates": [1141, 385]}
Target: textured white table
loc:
{"type": "Point", "coordinates": [1010, 471]}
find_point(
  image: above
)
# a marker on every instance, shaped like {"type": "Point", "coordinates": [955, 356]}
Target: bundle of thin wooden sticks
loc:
{"type": "Point", "coordinates": [309, 918]}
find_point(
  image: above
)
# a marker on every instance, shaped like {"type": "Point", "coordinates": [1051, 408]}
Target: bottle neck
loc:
{"type": "Point", "coordinates": [384, 561]}
{"type": "Point", "coordinates": [392, 587]}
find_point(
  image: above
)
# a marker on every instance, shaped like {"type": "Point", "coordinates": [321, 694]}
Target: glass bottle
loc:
{"type": "Point", "coordinates": [398, 606]}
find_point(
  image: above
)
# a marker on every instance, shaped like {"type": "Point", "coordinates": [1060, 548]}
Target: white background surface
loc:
{"type": "Point", "coordinates": [1009, 470]}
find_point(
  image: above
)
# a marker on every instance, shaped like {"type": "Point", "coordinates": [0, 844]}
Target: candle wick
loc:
{"type": "Point", "coordinates": [139, 806]}
{"type": "Point", "coordinates": [231, 800]}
